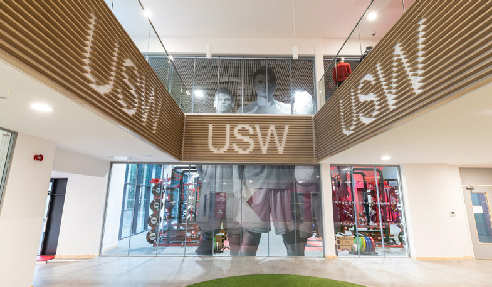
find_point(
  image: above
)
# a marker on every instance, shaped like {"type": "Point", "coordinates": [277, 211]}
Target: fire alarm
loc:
{"type": "Point", "coordinates": [38, 157]}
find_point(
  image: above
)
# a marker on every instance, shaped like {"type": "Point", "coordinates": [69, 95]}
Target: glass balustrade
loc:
{"type": "Point", "coordinates": [375, 22]}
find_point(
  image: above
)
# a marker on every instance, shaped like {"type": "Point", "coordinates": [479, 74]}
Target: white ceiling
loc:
{"type": "Point", "coordinates": [70, 126]}
{"type": "Point", "coordinates": [457, 133]}
{"type": "Point", "coordinates": [327, 19]}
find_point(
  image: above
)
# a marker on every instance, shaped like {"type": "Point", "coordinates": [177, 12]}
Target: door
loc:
{"type": "Point", "coordinates": [477, 201]}
{"type": "Point", "coordinates": [53, 220]}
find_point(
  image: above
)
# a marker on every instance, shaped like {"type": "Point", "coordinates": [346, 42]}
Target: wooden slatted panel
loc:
{"type": "Point", "coordinates": [453, 58]}
{"type": "Point", "coordinates": [80, 49]}
{"type": "Point", "coordinates": [298, 147]}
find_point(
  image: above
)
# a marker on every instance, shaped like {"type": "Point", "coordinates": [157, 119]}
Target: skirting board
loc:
{"type": "Point", "coordinates": [445, 258]}
{"type": "Point", "coordinates": [75, 256]}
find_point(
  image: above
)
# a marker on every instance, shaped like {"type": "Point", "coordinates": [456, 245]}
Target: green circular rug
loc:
{"type": "Point", "coordinates": [272, 280]}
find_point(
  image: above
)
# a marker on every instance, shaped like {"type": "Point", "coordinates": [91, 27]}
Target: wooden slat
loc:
{"type": "Point", "coordinates": [52, 39]}
{"type": "Point", "coordinates": [455, 56]}
{"type": "Point", "coordinates": [299, 144]}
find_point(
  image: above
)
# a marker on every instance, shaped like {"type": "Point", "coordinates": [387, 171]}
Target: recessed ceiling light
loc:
{"type": "Point", "coordinates": [372, 16]}
{"type": "Point", "coordinates": [385, 157]}
{"type": "Point", "coordinates": [41, 107]}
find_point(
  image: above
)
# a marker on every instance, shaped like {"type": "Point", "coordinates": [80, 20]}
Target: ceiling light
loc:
{"type": "Point", "coordinates": [40, 107]}
{"type": "Point", "coordinates": [295, 53]}
{"type": "Point", "coordinates": [147, 13]}
{"type": "Point", "coordinates": [372, 16]}
{"type": "Point", "coordinates": [385, 157]}
{"type": "Point", "coordinates": [209, 52]}
{"type": "Point", "coordinates": [199, 93]}
{"type": "Point", "coordinates": [171, 57]}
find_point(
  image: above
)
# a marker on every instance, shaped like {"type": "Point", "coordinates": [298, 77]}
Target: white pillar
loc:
{"type": "Point", "coordinates": [22, 210]}
{"type": "Point", "coordinates": [327, 205]}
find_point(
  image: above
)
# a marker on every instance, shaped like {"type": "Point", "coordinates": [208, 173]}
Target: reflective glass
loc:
{"type": "Point", "coordinates": [172, 233]}
{"type": "Point", "coordinates": [205, 85]}
{"type": "Point", "coordinates": [118, 214]}
{"type": "Point", "coordinates": [226, 211]}
{"type": "Point", "coordinates": [343, 211]}
{"type": "Point", "coordinates": [6, 142]}
{"type": "Point", "coordinates": [392, 207]}
{"type": "Point", "coordinates": [214, 210]}
{"type": "Point", "coordinates": [481, 212]}
{"type": "Point", "coordinates": [133, 19]}
{"type": "Point", "coordinates": [368, 212]}
{"type": "Point", "coordinates": [308, 212]}
{"type": "Point", "coordinates": [303, 93]}
{"type": "Point", "coordinates": [230, 83]}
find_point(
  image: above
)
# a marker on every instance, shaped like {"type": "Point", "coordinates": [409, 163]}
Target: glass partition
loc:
{"type": "Point", "coordinates": [367, 32]}
{"type": "Point", "coordinates": [137, 23]}
{"type": "Point", "coordinates": [7, 139]}
{"type": "Point", "coordinates": [213, 210]}
{"type": "Point", "coordinates": [249, 85]}
{"type": "Point", "coordinates": [368, 211]}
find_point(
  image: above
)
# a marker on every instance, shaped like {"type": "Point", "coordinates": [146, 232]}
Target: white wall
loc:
{"type": "Point", "coordinates": [113, 212]}
{"type": "Point", "coordinates": [83, 210]}
{"type": "Point", "coordinates": [431, 193]}
{"type": "Point", "coordinates": [327, 205]}
{"type": "Point", "coordinates": [22, 210]}
{"type": "Point", "coordinates": [82, 218]}
{"type": "Point", "coordinates": [255, 46]}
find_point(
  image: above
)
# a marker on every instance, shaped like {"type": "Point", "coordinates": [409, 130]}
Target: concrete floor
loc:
{"type": "Point", "coordinates": [179, 271]}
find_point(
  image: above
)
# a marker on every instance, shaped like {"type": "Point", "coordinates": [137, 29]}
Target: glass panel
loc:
{"type": "Point", "coordinates": [343, 211]}
{"type": "Point", "coordinates": [118, 214]}
{"type": "Point", "coordinates": [225, 210]}
{"type": "Point", "coordinates": [329, 85]}
{"type": "Point", "coordinates": [6, 142]}
{"type": "Point", "coordinates": [172, 234]}
{"type": "Point", "coordinates": [481, 211]}
{"type": "Point", "coordinates": [250, 98]}
{"type": "Point", "coordinates": [131, 16]}
{"type": "Point", "coordinates": [131, 177]}
{"type": "Point", "coordinates": [230, 83]}
{"type": "Point", "coordinates": [371, 198]}
{"type": "Point", "coordinates": [391, 204]}
{"type": "Point", "coordinates": [221, 210]}
{"type": "Point", "coordinates": [192, 229]}
{"type": "Point", "coordinates": [186, 68]}
{"type": "Point", "coordinates": [369, 230]}
{"type": "Point", "coordinates": [302, 87]}
{"type": "Point", "coordinates": [206, 84]}
{"type": "Point", "coordinates": [307, 212]}
{"type": "Point", "coordinates": [280, 85]}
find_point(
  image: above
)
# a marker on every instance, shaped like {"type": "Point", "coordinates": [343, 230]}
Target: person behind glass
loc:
{"type": "Point", "coordinates": [341, 71]}
{"type": "Point", "coordinates": [366, 52]}
{"type": "Point", "coordinates": [265, 191]}
{"type": "Point", "coordinates": [216, 187]}
{"type": "Point", "coordinates": [265, 84]}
